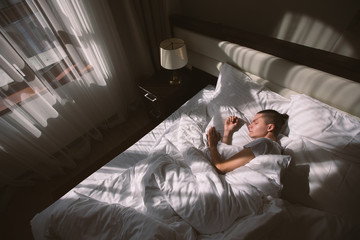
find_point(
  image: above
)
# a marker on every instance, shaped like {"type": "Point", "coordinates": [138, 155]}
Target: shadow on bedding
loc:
{"type": "Point", "coordinates": [296, 185]}
{"type": "Point", "coordinates": [323, 180]}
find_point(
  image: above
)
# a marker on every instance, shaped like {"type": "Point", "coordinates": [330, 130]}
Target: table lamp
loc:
{"type": "Point", "coordinates": [173, 56]}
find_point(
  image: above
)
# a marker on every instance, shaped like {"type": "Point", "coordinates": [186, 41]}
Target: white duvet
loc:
{"type": "Point", "coordinates": [164, 187]}
{"type": "Point", "coordinates": [174, 193]}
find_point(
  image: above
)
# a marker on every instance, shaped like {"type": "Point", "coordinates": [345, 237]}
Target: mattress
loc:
{"type": "Point", "coordinates": [165, 187]}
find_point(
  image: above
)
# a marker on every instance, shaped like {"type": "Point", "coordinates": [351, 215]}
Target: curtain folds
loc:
{"type": "Point", "coordinates": [155, 25]}
{"type": "Point", "coordinates": [64, 71]}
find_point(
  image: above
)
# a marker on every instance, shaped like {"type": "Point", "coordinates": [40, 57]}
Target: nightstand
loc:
{"type": "Point", "coordinates": [162, 99]}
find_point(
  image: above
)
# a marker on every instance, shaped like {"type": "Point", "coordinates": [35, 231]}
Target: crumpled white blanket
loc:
{"type": "Point", "coordinates": [177, 179]}
{"type": "Point", "coordinates": [175, 192]}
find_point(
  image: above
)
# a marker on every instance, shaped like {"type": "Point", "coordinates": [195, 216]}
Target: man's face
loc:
{"type": "Point", "coordinates": [258, 128]}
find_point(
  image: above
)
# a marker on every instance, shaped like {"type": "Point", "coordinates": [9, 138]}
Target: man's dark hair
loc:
{"type": "Point", "coordinates": [276, 118]}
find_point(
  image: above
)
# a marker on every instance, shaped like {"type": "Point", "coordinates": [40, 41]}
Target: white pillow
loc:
{"type": "Point", "coordinates": [237, 95]}
{"type": "Point", "coordinates": [324, 126]}
{"type": "Point", "coordinates": [272, 100]}
{"type": "Point", "coordinates": [236, 89]}
{"type": "Point", "coordinates": [263, 172]}
{"type": "Point", "coordinates": [232, 82]}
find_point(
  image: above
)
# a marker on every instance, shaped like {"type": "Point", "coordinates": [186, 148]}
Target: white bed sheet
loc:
{"type": "Point", "coordinates": [89, 212]}
{"type": "Point", "coordinates": [42, 224]}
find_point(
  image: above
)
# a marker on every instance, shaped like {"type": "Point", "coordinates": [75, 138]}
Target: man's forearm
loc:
{"type": "Point", "coordinates": [227, 138]}
{"type": "Point", "coordinates": [216, 158]}
{"type": "Point", "coordinates": [227, 165]}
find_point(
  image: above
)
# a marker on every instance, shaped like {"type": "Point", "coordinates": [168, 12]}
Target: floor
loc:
{"type": "Point", "coordinates": [25, 202]}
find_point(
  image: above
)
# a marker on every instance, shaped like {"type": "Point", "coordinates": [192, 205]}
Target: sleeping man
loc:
{"type": "Point", "coordinates": [264, 129]}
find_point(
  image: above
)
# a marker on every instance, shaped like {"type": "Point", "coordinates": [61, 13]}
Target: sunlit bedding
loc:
{"type": "Point", "coordinates": [164, 186]}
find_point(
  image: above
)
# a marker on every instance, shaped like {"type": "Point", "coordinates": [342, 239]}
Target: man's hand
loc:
{"type": "Point", "coordinates": [213, 137]}
{"type": "Point", "coordinates": [231, 125]}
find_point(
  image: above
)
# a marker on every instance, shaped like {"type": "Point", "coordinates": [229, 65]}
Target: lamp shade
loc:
{"type": "Point", "coordinates": [173, 53]}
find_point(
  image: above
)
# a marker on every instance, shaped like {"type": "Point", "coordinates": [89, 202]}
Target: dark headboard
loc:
{"type": "Point", "coordinates": [336, 64]}
{"type": "Point", "coordinates": [283, 67]}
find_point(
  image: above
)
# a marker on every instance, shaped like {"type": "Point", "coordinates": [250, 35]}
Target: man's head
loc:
{"type": "Point", "coordinates": [267, 123]}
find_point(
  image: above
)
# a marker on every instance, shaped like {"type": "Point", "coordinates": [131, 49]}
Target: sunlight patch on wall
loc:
{"type": "Point", "coordinates": [308, 31]}
{"type": "Point", "coordinates": [253, 61]}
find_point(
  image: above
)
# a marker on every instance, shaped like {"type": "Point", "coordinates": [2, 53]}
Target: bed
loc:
{"type": "Point", "coordinates": [164, 186]}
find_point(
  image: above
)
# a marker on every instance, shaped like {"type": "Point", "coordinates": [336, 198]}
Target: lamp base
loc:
{"type": "Point", "coordinates": [175, 78]}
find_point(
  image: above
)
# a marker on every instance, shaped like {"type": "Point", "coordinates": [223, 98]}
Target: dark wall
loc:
{"type": "Point", "coordinates": [331, 25]}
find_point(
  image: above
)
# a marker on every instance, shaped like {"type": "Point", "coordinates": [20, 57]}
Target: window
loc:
{"type": "Point", "coordinates": [32, 57]}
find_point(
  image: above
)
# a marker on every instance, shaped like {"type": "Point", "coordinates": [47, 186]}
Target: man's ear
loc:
{"type": "Point", "coordinates": [271, 127]}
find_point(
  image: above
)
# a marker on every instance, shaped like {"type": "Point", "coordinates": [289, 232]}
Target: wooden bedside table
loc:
{"type": "Point", "coordinates": [162, 99]}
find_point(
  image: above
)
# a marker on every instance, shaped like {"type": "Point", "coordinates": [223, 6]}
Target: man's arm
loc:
{"type": "Point", "coordinates": [231, 125]}
{"type": "Point", "coordinates": [227, 138]}
{"type": "Point", "coordinates": [238, 160]}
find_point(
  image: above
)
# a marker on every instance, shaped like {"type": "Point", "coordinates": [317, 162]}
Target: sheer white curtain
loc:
{"type": "Point", "coordinates": [64, 72]}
